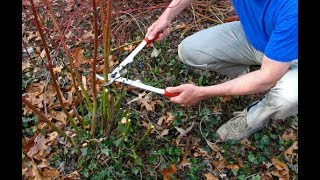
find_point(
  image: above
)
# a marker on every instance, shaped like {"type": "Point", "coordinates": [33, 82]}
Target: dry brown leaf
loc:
{"type": "Point", "coordinates": [52, 173]}
{"type": "Point", "coordinates": [42, 172]}
{"type": "Point", "coordinates": [164, 132]}
{"type": "Point", "coordinates": [38, 49]}
{"type": "Point", "coordinates": [184, 163]}
{"type": "Point", "coordinates": [88, 34]}
{"type": "Point", "coordinates": [281, 170]}
{"type": "Point", "coordinates": [52, 137]}
{"type": "Point", "coordinates": [26, 111]}
{"type": "Point", "coordinates": [39, 144]}
{"type": "Point", "coordinates": [232, 166]}
{"type": "Point", "coordinates": [69, 100]}
{"type": "Point", "coordinates": [79, 58]}
{"type": "Point", "coordinates": [179, 26]}
{"type": "Point", "coordinates": [58, 115]}
{"type": "Point", "coordinates": [166, 173]}
{"type": "Point", "coordinates": [217, 109]}
{"type": "Point", "coordinates": [50, 96]}
{"type": "Point", "coordinates": [161, 119]}
{"type": "Point", "coordinates": [24, 170]}
{"type": "Point", "coordinates": [44, 164]}
{"type": "Point", "coordinates": [266, 176]}
{"type": "Point", "coordinates": [209, 176]}
{"type": "Point", "coordinates": [232, 18]}
{"type": "Point", "coordinates": [145, 124]}
{"type": "Point", "coordinates": [146, 101]}
{"type": "Point", "coordinates": [289, 135]}
{"type": "Point", "coordinates": [43, 53]}
{"type": "Point", "coordinates": [68, 35]}
{"type": "Point", "coordinates": [73, 175]}
{"type": "Point", "coordinates": [38, 102]}
{"type": "Point", "coordinates": [186, 152]}
{"type": "Point", "coordinates": [247, 143]}
{"type": "Point", "coordinates": [166, 120]}
{"type": "Point", "coordinates": [84, 82]}
{"type": "Point", "coordinates": [183, 132]}
{"type": "Point", "coordinates": [29, 143]}
{"type": "Point", "coordinates": [213, 146]}
{"type": "Point", "coordinates": [42, 154]}
{"type": "Point", "coordinates": [36, 88]}
{"type": "Point", "coordinates": [26, 65]}
{"type": "Point", "coordinates": [290, 151]}
{"type": "Point", "coordinates": [225, 99]}
{"type": "Point", "coordinates": [57, 69]}
{"type": "Point", "coordinates": [129, 48]}
{"type": "Point", "coordinates": [218, 165]}
{"type": "Point", "coordinates": [170, 118]}
{"type": "Point", "coordinates": [34, 94]}
{"type": "Point", "coordinates": [30, 35]}
{"type": "Point", "coordinates": [201, 153]}
{"type": "Point", "coordinates": [123, 120]}
{"type": "Point", "coordinates": [35, 173]}
{"type": "Point", "coordinates": [70, 3]}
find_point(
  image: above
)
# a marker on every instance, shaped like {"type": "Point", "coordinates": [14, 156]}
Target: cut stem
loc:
{"type": "Point", "coordinates": [144, 136]}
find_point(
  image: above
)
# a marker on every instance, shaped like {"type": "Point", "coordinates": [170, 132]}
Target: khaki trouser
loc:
{"type": "Point", "coordinates": [225, 49]}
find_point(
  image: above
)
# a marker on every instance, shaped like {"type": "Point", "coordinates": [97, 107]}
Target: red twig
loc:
{"type": "Point", "coordinates": [95, 52]}
{"type": "Point", "coordinates": [49, 65]}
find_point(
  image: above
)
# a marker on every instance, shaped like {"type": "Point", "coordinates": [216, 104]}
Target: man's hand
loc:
{"type": "Point", "coordinates": [189, 94]}
{"type": "Point", "coordinates": [162, 25]}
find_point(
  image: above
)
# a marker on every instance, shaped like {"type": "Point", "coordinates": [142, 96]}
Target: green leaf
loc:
{"type": "Point", "coordinates": [265, 140]}
{"type": "Point", "coordinates": [118, 142]}
{"type": "Point", "coordinates": [85, 173]}
{"type": "Point", "coordinates": [242, 177]}
{"type": "Point", "coordinates": [171, 150]}
{"type": "Point", "coordinates": [138, 161]}
{"type": "Point", "coordinates": [252, 158]}
{"type": "Point", "coordinates": [256, 177]}
{"type": "Point", "coordinates": [152, 159]}
{"type": "Point", "coordinates": [135, 170]}
{"type": "Point", "coordinates": [256, 135]}
{"type": "Point", "coordinates": [92, 166]}
{"type": "Point", "coordinates": [84, 151]}
{"type": "Point", "coordinates": [106, 151]}
{"type": "Point", "coordinates": [160, 151]}
{"type": "Point", "coordinates": [178, 151]}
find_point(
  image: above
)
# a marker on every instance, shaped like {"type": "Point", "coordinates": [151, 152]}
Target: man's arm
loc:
{"type": "Point", "coordinates": [265, 78]}
{"type": "Point", "coordinates": [175, 7]}
{"type": "Point", "coordinates": [163, 22]}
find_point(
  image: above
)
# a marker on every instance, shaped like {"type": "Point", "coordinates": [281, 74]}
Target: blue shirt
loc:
{"type": "Point", "coordinates": [271, 26]}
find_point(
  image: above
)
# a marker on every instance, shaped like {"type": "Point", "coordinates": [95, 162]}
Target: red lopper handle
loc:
{"type": "Point", "coordinates": [167, 94]}
{"type": "Point", "coordinates": [151, 40]}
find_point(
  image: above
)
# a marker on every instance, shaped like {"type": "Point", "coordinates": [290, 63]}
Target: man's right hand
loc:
{"type": "Point", "coordinates": [162, 25]}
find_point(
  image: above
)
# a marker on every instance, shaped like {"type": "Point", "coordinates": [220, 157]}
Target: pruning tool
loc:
{"type": "Point", "coordinates": [115, 74]}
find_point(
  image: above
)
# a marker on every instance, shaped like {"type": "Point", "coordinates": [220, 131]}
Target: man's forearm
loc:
{"type": "Point", "coordinates": [250, 83]}
{"type": "Point", "coordinates": [265, 78]}
{"type": "Point", "coordinates": [175, 7]}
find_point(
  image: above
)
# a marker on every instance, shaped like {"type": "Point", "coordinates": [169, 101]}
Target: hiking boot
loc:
{"type": "Point", "coordinates": [237, 128]}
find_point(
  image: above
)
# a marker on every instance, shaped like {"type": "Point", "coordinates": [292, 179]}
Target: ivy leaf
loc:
{"type": "Point", "coordinates": [84, 151]}
{"type": "Point", "coordinates": [106, 151]}
{"type": "Point", "coordinates": [155, 52]}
